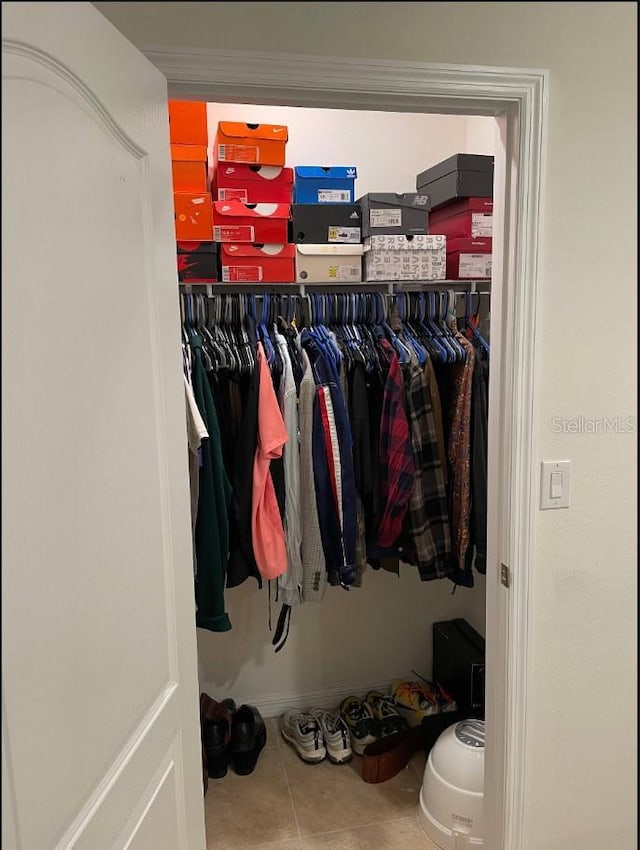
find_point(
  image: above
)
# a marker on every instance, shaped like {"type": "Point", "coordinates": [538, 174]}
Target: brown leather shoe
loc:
{"type": "Point", "coordinates": [215, 722]}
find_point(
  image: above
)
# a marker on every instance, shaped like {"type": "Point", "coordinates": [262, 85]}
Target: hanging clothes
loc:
{"type": "Point", "coordinates": [196, 433]}
{"type": "Point", "coordinates": [267, 531]}
{"type": "Point", "coordinates": [212, 524]}
{"type": "Point", "coordinates": [477, 551]}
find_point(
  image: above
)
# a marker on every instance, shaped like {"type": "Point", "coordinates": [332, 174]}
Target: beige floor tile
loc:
{"type": "Point", "coordinates": [330, 797]}
{"type": "Point", "coordinates": [244, 811]}
{"type": "Point", "coordinates": [418, 762]}
{"type": "Point", "coordinates": [394, 835]}
{"type": "Point", "coordinates": [273, 732]}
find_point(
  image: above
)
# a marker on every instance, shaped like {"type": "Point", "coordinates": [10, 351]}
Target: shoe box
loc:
{"type": "Point", "coordinates": [242, 262]}
{"type": "Point", "coordinates": [197, 262]}
{"type": "Point", "coordinates": [460, 176]}
{"type": "Point", "coordinates": [189, 168]}
{"type": "Point", "coordinates": [458, 664]}
{"type": "Point", "coordinates": [234, 221]}
{"type": "Point", "coordinates": [187, 122]}
{"type": "Point", "coordinates": [468, 218]}
{"type": "Point", "coordinates": [389, 257]}
{"type": "Point", "coordinates": [325, 263]}
{"type": "Point", "coordinates": [192, 212]}
{"type": "Point", "coordinates": [324, 184]}
{"type": "Point", "coordinates": [256, 144]}
{"type": "Point", "coordinates": [252, 184]}
{"type": "Point", "coordinates": [468, 259]}
{"type": "Point", "coordinates": [388, 213]}
{"type": "Point", "coordinates": [318, 224]}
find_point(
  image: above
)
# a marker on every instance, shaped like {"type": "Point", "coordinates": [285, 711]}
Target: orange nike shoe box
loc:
{"type": "Point", "coordinates": [193, 215]}
{"type": "Point", "coordinates": [189, 168]}
{"type": "Point", "coordinates": [187, 122]}
{"type": "Point", "coordinates": [256, 144]}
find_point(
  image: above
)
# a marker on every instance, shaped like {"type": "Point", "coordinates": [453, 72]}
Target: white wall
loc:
{"type": "Point", "coordinates": [363, 638]}
{"type": "Point", "coordinates": [581, 701]}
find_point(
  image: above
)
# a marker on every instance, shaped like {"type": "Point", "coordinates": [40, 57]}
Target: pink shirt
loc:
{"type": "Point", "coordinates": [267, 530]}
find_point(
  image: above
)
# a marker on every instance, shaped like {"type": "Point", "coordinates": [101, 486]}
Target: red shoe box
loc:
{"type": "Point", "coordinates": [193, 216]}
{"type": "Point", "coordinates": [234, 221]}
{"type": "Point", "coordinates": [469, 218]}
{"type": "Point", "coordinates": [252, 184]}
{"type": "Point", "coordinates": [468, 259]}
{"type": "Point", "coordinates": [246, 263]}
{"type": "Point", "coordinates": [197, 262]}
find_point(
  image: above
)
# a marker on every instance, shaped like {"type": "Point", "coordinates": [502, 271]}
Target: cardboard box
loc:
{"type": "Point", "coordinates": [469, 259]}
{"type": "Point", "coordinates": [387, 213]}
{"type": "Point", "coordinates": [459, 176]}
{"type": "Point", "coordinates": [326, 223]}
{"type": "Point", "coordinates": [324, 184]}
{"type": "Point", "coordinates": [192, 212]}
{"type": "Point", "coordinates": [197, 262]}
{"type": "Point", "coordinates": [257, 144]}
{"type": "Point", "coordinates": [324, 263]}
{"type": "Point", "coordinates": [252, 184]}
{"type": "Point", "coordinates": [189, 168]}
{"type": "Point", "coordinates": [404, 258]}
{"type": "Point", "coordinates": [246, 263]}
{"type": "Point", "coordinates": [458, 664]}
{"type": "Point", "coordinates": [469, 218]}
{"type": "Point", "coordinates": [234, 221]}
{"type": "Point", "coordinates": [187, 122]}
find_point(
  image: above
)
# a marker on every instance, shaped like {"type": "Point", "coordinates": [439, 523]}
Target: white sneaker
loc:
{"type": "Point", "coordinates": [337, 740]}
{"type": "Point", "coordinates": [303, 732]}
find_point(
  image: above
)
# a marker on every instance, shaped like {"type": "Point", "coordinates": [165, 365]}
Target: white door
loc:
{"type": "Point", "coordinates": [99, 682]}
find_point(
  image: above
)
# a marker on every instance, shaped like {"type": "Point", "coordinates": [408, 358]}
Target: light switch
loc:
{"type": "Point", "coordinates": [554, 487]}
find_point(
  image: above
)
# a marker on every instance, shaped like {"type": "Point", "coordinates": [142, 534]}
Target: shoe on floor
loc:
{"type": "Point", "coordinates": [303, 731]}
{"type": "Point", "coordinates": [415, 700]}
{"type": "Point", "coordinates": [361, 723]}
{"type": "Point", "coordinates": [215, 725]}
{"type": "Point", "coordinates": [337, 740]}
{"type": "Point", "coordinates": [385, 712]}
{"type": "Point", "coordinates": [248, 738]}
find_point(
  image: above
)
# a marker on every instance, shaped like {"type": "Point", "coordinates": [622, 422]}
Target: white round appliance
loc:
{"type": "Point", "coordinates": [451, 810]}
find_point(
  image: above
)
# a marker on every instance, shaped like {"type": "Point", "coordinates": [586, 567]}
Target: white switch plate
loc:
{"type": "Point", "coordinates": [555, 484]}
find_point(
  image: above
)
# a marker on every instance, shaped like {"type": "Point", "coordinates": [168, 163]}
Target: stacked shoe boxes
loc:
{"type": "Point", "coordinates": [251, 190]}
{"type": "Point", "coordinates": [326, 225]}
{"type": "Point", "coordinates": [397, 243]}
{"type": "Point", "coordinates": [196, 251]}
{"type": "Point", "coordinates": [461, 189]}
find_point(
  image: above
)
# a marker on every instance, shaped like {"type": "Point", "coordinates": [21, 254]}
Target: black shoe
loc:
{"type": "Point", "coordinates": [215, 720]}
{"type": "Point", "coordinates": [248, 737]}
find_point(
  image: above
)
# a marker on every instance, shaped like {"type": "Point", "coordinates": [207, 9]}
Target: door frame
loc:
{"type": "Point", "coordinates": [518, 100]}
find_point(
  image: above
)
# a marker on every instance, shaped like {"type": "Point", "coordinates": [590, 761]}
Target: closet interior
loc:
{"type": "Point", "coordinates": [321, 577]}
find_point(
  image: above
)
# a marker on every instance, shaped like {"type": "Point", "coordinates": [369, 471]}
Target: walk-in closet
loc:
{"type": "Point", "coordinates": [284, 627]}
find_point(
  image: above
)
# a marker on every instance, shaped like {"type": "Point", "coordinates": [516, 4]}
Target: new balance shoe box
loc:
{"type": "Point", "coordinates": [463, 175]}
{"type": "Point", "coordinates": [392, 257]}
{"type": "Point", "coordinates": [317, 224]}
{"type": "Point", "coordinates": [458, 664]}
{"type": "Point", "coordinates": [189, 168]}
{"type": "Point", "coordinates": [197, 262]}
{"type": "Point", "coordinates": [385, 213]}
{"type": "Point", "coordinates": [324, 263]}
{"type": "Point", "coordinates": [192, 212]}
{"type": "Point", "coordinates": [255, 144]}
{"type": "Point", "coordinates": [324, 184]}
{"type": "Point", "coordinates": [234, 221]}
{"type": "Point", "coordinates": [469, 259]}
{"type": "Point", "coordinates": [246, 263]}
{"type": "Point", "coordinates": [187, 122]}
{"type": "Point", "coordinates": [252, 184]}
{"type": "Point", "coordinates": [469, 218]}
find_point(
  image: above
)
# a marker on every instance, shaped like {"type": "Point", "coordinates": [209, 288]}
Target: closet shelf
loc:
{"type": "Point", "coordinates": [389, 286]}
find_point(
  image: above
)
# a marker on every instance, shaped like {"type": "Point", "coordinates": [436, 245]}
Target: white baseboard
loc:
{"type": "Point", "coordinates": [273, 705]}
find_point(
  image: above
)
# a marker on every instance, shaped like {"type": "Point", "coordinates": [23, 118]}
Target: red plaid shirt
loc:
{"type": "Point", "coordinates": [397, 466]}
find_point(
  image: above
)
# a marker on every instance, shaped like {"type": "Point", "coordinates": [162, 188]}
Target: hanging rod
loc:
{"type": "Point", "coordinates": [389, 287]}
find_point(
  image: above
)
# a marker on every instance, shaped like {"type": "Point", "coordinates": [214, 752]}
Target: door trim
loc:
{"type": "Point", "coordinates": [518, 99]}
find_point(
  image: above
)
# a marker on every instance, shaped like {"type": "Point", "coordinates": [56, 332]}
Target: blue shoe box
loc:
{"type": "Point", "coordinates": [324, 184]}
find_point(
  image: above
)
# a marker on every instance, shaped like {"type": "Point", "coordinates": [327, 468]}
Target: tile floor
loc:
{"type": "Point", "coordinates": [288, 805]}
